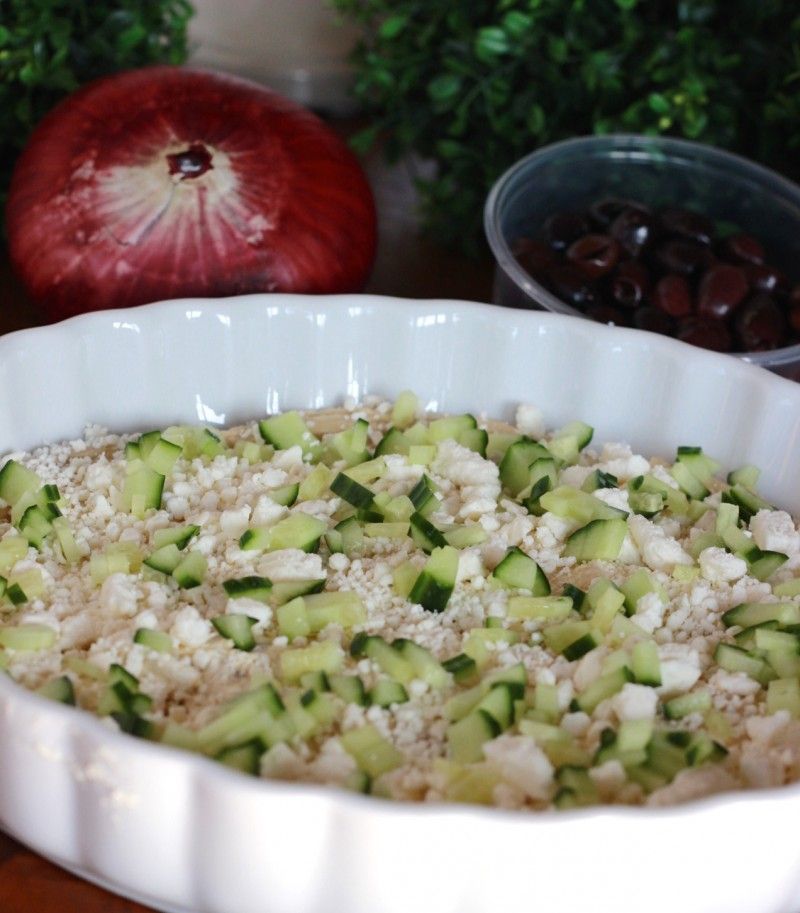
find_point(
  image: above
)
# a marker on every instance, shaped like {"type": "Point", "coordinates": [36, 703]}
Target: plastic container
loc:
{"type": "Point", "coordinates": [658, 172]}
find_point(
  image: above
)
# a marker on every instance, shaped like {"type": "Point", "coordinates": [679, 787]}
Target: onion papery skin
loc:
{"type": "Point", "coordinates": [101, 213]}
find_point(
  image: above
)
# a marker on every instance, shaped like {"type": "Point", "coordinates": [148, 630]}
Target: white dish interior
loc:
{"type": "Point", "coordinates": [182, 833]}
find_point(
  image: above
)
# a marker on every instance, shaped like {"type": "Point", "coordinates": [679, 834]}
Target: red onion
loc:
{"type": "Point", "coordinates": [168, 182]}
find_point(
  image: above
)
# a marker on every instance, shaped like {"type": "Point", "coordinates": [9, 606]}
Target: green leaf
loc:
{"type": "Point", "coordinates": [491, 42]}
{"type": "Point", "coordinates": [658, 103]}
{"type": "Point", "coordinates": [626, 4]}
{"type": "Point", "coordinates": [517, 24]}
{"type": "Point", "coordinates": [393, 26]}
{"type": "Point", "coordinates": [444, 87]}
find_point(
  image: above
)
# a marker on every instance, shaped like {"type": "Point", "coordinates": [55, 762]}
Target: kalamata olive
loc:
{"type": "Point", "coordinates": [722, 289]}
{"type": "Point", "coordinates": [561, 229]}
{"type": "Point", "coordinates": [533, 256]}
{"type": "Point", "coordinates": [604, 211]}
{"type": "Point", "coordinates": [763, 278]}
{"type": "Point", "coordinates": [634, 228]}
{"type": "Point", "coordinates": [794, 316]}
{"type": "Point", "coordinates": [687, 224]}
{"type": "Point", "coordinates": [654, 320]}
{"type": "Point", "coordinates": [682, 257]}
{"type": "Point", "coordinates": [760, 325]}
{"type": "Point", "coordinates": [571, 285]}
{"type": "Point", "coordinates": [708, 334]}
{"type": "Point", "coordinates": [604, 313]}
{"type": "Point", "coordinates": [742, 249]}
{"type": "Point", "coordinates": [673, 296]}
{"type": "Point", "coordinates": [626, 292]}
{"type": "Point", "coordinates": [594, 255]}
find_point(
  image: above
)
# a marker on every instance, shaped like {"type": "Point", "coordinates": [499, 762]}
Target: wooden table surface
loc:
{"type": "Point", "coordinates": [407, 265]}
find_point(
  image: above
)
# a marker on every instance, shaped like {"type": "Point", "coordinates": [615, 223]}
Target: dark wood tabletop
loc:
{"type": "Point", "coordinates": [407, 265]}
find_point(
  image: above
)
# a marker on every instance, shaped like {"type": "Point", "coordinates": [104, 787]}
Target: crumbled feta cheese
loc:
{"type": "Point", "coordinates": [530, 420]}
{"type": "Point", "coordinates": [190, 628]}
{"type": "Point", "coordinates": [680, 669]}
{"type": "Point", "coordinates": [773, 530]}
{"type": "Point", "coordinates": [291, 564]}
{"type": "Point", "coordinates": [635, 702]}
{"type": "Point", "coordinates": [659, 552]}
{"type": "Point", "coordinates": [719, 566]}
{"type": "Point", "coordinates": [522, 763]}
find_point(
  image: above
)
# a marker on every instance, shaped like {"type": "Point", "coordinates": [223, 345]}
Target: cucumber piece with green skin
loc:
{"type": "Point", "coordinates": [35, 526]}
{"type": "Point", "coordinates": [292, 619]}
{"type": "Point", "coordinates": [688, 481]}
{"type": "Point", "coordinates": [784, 694]}
{"type": "Point", "coordinates": [748, 502]}
{"type": "Point", "coordinates": [646, 503]}
{"type": "Point", "coordinates": [344, 608]}
{"type": "Point", "coordinates": [142, 490]}
{"type": "Point", "coordinates": [60, 690]}
{"type": "Point", "coordinates": [164, 559]}
{"type": "Point", "coordinates": [702, 467]}
{"type": "Point", "coordinates": [466, 536]}
{"type": "Point", "coordinates": [287, 430]}
{"type": "Point", "coordinates": [394, 441]}
{"type": "Point", "coordinates": [533, 501]}
{"type": "Point", "coordinates": [746, 638]}
{"type": "Point", "coordinates": [424, 496]}
{"type": "Point", "coordinates": [284, 590]}
{"type": "Point", "coordinates": [450, 427]}
{"type": "Point", "coordinates": [545, 608]}
{"type": "Point", "coordinates": [319, 656]}
{"type": "Point", "coordinates": [499, 704]}
{"type": "Point", "coordinates": [405, 408]}
{"type": "Point", "coordinates": [373, 754]}
{"type": "Point", "coordinates": [379, 651]}
{"type": "Point", "coordinates": [520, 572]}
{"type": "Point", "coordinates": [604, 687]}
{"type": "Point", "coordinates": [298, 530]}
{"type": "Point", "coordinates": [27, 637]}
{"type": "Point", "coordinates": [351, 444]}
{"type": "Point", "coordinates": [579, 506]}
{"type": "Point", "coordinates": [467, 736]}
{"type": "Point", "coordinates": [747, 614]}
{"type": "Point", "coordinates": [386, 692]}
{"type": "Point", "coordinates": [286, 495]}
{"type": "Point", "coordinates": [244, 758]}
{"type": "Point", "coordinates": [599, 540]}
{"type": "Point", "coordinates": [576, 594]}
{"type": "Point", "coordinates": [516, 463]}
{"type": "Point", "coordinates": [475, 439]}
{"type": "Point", "coordinates": [463, 668]}
{"type": "Point", "coordinates": [132, 452]}
{"type": "Point", "coordinates": [746, 476]}
{"type": "Point", "coordinates": [315, 681]}
{"type": "Point", "coordinates": [787, 588]}
{"type": "Point", "coordinates": [352, 534]}
{"type": "Point", "coordinates": [17, 480]}
{"type": "Point", "coordinates": [702, 749]}
{"type": "Point", "coordinates": [695, 702]}
{"type": "Point", "coordinates": [560, 637]}
{"type": "Point", "coordinates": [434, 586]}
{"type": "Point", "coordinates": [425, 535]}
{"type": "Point", "coordinates": [236, 628]}
{"type": "Point", "coordinates": [349, 688]}
{"type": "Point", "coordinates": [118, 673]}
{"type": "Point", "coordinates": [191, 570]}
{"type": "Point", "coordinates": [162, 456]}
{"type": "Point", "coordinates": [764, 564]}
{"type": "Point", "coordinates": [423, 662]}
{"type": "Point", "coordinates": [645, 664]}
{"type": "Point", "coordinates": [179, 536]}
{"type": "Point", "coordinates": [738, 542]}
{"type": "Point", "coordinates": [250, 587]}
{"type": "Point", "coordinates": [159, 641]}
{"type": "Point", "coordinates": [639, 584]}
{"type": "Point", "coordinates": [727, 518]}
{"type": "Point", "coordinates": [351, 491]}
{"type": "Point", "coordinates": [498, 444]}
{"type": "Point", "coordinates": [734, 659]}
{"type": "Point", "coordinates": [387, 530]}
{"type": "Point", "coordinates": [599, 479]}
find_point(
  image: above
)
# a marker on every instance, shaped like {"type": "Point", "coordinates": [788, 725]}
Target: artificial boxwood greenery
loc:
{"type": "Point", "coordinates": [475, 84]}
{"type": "Point", "coordinates": [50, 47]}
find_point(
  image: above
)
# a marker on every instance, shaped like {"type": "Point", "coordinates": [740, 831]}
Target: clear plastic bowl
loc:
{"type": "Point", "coordinates": [658, 172]}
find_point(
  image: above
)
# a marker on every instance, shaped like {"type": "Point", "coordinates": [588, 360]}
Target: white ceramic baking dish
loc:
{"type": "Point", "coordinates": [181, 833]}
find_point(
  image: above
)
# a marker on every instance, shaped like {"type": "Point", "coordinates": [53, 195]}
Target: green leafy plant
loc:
{"type": "Point", "coordinates": [50, 47]}
{"type": "Point", "coordinates": [475, 85]}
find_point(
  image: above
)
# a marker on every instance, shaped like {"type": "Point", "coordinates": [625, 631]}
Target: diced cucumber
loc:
{"type": "Point", "coordinates": [598, 540]}
{"type": "Point", "coordinates": [292, 619]}
{"type": "Point", "coordinates": [422, 454]}
{"type": "Point", "coordinates": [734, 659]}
{"type": "Point", "coordinates": [284, 590]}
{"type": "Point", "coordinates": [251, 587]}
{"type": "Point", "coordinates": [390, 661]}
{"type": "Point", "coordinates": [424, 496]}
{"type": "Point", "coordinates": [404, 576]}
{"type": "Point", "coordinates": [396, 530]}
{"type": "Point", "coordinates": [598, 479]}
{"type": "Point", "coordinates": [405, 409]}
{"type": "Point", "coordinates": [604, 687]}
{"type": "Point", "coordinates": [739, 542]}
{"type": "Point", "coordinates": [463, 668]}
{"type": "Point", "coordinates": [349, 688]}
{"type": "Point", "coordinates": [164, 559]}
{"type": "Point", "coordinates": [573, 504]}
{"type": "Point", "coordinates": [645, 663]}
{"type": "Point", "coordinates": [245, 758]}
{"type": "Point", "coordinates": [477, 639]}
{"type": "Point", "coordinates": [746, 476]}
{"type": "Point", "coordinates": [180, 536]}
{"type": "Point", "coordinates": [688, 481]}
{"type": "Point", "coordinates": [498, 702]}
{"type": "Point", "coordinates": [12, 550]}
{"type": "Point", "coordinates": [466, 536]}
{"type": "Point", "coordinates": [373, 754]}
{"type": "Point", "coordinates": [17, 480]}
{"type": "Point", "coordinates": [351, 444]}
{"type": "Point", "coordinates": [784, 694]}
{"type": "Point", "coordinates": [702, 467]}
{"type": "Point", "coordinates": [436, 582]}
{"type": "Point", "coordinates": [747, 614]}
{"type": "Point", "coordinates": [546, 608]}
{"type": "Point", "coordinates": [498, 444]}
{"type": "Point", "coordinates": [344, 608]}
{"type": "Point", "coordinates": [162, 456]}
{"type": "Point", "coordinates": [59, 689]}
{"type": "Point", "coordinates": [749, 503]}
{"type": "Point", "coordinates": [466, 738]}
{"type": "Point", "coordinates": [35, 526]}
{"type": "Point", "coordinates": [639, 584]}
{"type": "Point", "coordinates": [321, 656]}
{"type": "Point", "coordinates": [27, 637]}
{"type": "Point", "coordinates": [577, 595]}
{"type": "Point", "coordinates": [191, 570]}
{"type": "Point", "coordinates": [295, 531]}
{"type": "Point", "coordinates": [425, 535]}
{"type": "Point", "coordinates": [764, 564]}
{"type": "Point", "coordinates": [605, 601]}
{"type": "Point", "coordinates": [568, 441]}
{"type": "Point", "coordinates": [787, 588]}
{"type": "Point", "coordinates": [287, 430]}
{"type": "Point", "coordinates": [386, 692]}
{"type": "Point", "coordinates": [286, 495]}
{"type": "Point", "coordinates": [571, 637]}
{"type": "Point", "coordinates": [519, 571]}
{"type": "Point", "coordinates": [727, 518]}
{"type": "Point", "coordinates": [315, 484]}
{"type": "Point", "coordinates": [450, 427]}
{"type": "Point", "coordinates": [423, 662]}
{"type": "Point", "coordinates": [475, 439]}
{"type": "Point", "coordinates": [695, 702]}
{"type": "Point", "coordinates": [517, 461]}
{"type": "Point", "coordinates": [158, 641]}
{"type": "Point", "coordinates": [237, 628]}
{"type": "Point", "coordinates": [142, 489]}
